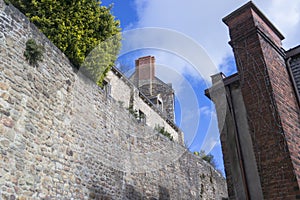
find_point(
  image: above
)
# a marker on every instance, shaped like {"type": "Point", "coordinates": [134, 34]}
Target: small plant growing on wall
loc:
{"type": "Point", "coordinates": [138, 115]}
{"type": "Point", "coordinates": [121, 103]}
{"type": "Point", "coordinates": [6, 2]}
{"type": "Point", "coordinates": [33, 52]}
{"type": "Point", "coordinates": [133, 112]}
{"type": "Point", "coordinates": [162, 131]}
{"type": "Point", "coordinates": [207, 157]}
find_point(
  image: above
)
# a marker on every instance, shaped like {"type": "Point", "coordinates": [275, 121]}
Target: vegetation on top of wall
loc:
{"type": "Point", "coordinates": [207, 157]}
{"type": "Point", "coordinates": [33, 52]}
{"type": "Point", "coordinates": [77, 28]}
{"type": "Point", "coordinates": [162, 131]}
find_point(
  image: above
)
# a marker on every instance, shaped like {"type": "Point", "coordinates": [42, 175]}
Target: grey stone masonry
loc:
{"type": "Point", "coordinates": [61, 137]}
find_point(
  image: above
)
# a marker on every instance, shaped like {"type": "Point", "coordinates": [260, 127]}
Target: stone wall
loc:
{"type": "Point", "coordinates": [61, 137]}
{"type": "Point", "coordinates": [158, 87]}
{"type": "Point", "coordinates": [153, 119]}
{"type": "Point", "coordinates": [167, 95]}
{"type": "Point", "coordinates": [123, 91]}
{"type": "Point", "coordinates": [120, 91]}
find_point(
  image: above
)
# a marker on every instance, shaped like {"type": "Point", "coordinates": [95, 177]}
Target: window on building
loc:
{"type": "Point", "coordinates": [142, 117]}
{"type": "Point", "coordinates": [159, 104]}
{"type": "Point", "coordinates": [107, 88]}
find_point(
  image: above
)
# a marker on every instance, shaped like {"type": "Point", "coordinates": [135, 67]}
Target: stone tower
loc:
{"type": "Point", "coordinates": [259, 118]}
{"type": "Point", "coordinates": [158, 92]}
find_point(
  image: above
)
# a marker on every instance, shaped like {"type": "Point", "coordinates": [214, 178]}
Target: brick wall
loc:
{"type": "Point", "coordinates": [62, 138]}
{"type": "Point", "coordinates": [272, 110]}
{"type": "Point", "coordinates": [145, 70]}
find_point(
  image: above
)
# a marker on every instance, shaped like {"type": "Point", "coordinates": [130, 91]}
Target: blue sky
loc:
{"type": "Point", "coordinates": [198, 23]}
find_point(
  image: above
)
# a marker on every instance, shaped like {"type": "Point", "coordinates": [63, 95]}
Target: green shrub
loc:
{"type": "Point", "coordinates": [77, 28]}
{"type": "Point", "coordinates": [33, 52]}
{"type": "Point", "coordinates": [207, 157]}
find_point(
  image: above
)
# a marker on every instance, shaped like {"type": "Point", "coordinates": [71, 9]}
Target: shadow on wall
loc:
{"type": "Point", "coordinates": [163, 193]}
{"type": "Point", "coordinates": [130, 193]}
{"type": "Point", "coordinates": [98, 193]}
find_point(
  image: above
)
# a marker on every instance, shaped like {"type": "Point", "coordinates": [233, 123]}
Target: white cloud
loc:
{"type": "Point", "coordinates": [285, 15]}
{"type": "Point", "coordinates": [202, 20]}
{"type": "Point", "coordinates": [173, 45]}
{"type": "Point", "coordinates": [206, 111]}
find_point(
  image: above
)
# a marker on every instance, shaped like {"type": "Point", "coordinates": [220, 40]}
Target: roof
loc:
{"type": "Point", "coordinates": [293, 51]}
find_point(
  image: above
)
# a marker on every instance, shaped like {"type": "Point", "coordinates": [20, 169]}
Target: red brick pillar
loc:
{"type": "Point", "coordinates": [272, 109]}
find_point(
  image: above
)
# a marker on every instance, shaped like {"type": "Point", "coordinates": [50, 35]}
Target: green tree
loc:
{"type": "Point", "coordinates": [77, 28]}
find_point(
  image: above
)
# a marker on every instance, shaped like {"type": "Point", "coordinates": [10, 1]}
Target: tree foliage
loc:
{"type": "Point", "coordinates": [77, 27]}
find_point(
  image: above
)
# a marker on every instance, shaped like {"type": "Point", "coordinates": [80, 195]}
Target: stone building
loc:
{"type": "Point", "coordinates": [160, 93]}
{"type": "Point", "coordinates": [150, 98]}
{"type": "Point", "coordinates": [258, 110]}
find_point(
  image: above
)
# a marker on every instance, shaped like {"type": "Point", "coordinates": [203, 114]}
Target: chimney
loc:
{"type": "Point", "coordinates": [145, 70]}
